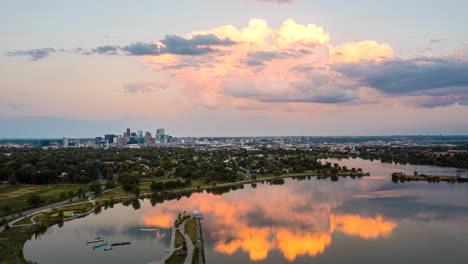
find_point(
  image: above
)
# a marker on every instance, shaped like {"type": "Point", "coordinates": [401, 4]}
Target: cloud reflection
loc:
{"type": "Point", "coordinates": [258, 221]}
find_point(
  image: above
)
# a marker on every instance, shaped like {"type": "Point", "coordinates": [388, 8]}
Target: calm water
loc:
{"type": "Point", "coordinates": [370, 220]}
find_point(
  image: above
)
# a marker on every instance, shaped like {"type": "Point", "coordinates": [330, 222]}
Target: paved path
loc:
{"type": "Point", "coordinates": [190, 247]}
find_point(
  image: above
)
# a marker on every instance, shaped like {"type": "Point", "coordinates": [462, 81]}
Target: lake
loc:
{"type": "Point", "coordinates": [368, 220]}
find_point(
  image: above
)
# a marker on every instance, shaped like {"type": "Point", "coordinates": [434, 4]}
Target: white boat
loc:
{"type": "Point", "coordinates": [108, 248]}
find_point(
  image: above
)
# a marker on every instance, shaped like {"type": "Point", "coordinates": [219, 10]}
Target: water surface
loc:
{"type": "Point", "coordinates": [368, 220]}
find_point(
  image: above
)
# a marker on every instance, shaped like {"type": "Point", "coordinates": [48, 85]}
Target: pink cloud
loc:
{"type": "Point", "coordinates": [144, 87]}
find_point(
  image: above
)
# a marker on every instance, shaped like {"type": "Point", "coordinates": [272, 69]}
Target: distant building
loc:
{"type": "Point", "coordinates": [109, 138]}
{"type": "Point", "coordinates": [140, 134]}
{"type": "Point", "coordinates": [160, 131]}
{"type": "Point", "coordinates": [128, 133]}
{"type": "Point", "coordinates": [65, 142]}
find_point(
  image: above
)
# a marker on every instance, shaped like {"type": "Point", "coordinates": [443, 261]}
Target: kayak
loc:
{"type": "Point", "coordinates": [148, 229]}
{"type": "Point", "coordinates": [120, 244]}
{"type": "Point", "coordinates": [100, 245]}
{"type": "Point", "coordinates": [94, 241]}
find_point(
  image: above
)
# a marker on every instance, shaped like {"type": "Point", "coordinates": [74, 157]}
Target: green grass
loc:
{"type": "Point", "coordinates": [12, 242]}
{"type": "Point", "coordinates": [179, 239]}
{"type": "Point", "coordinates": [191, 230]}
{"type": "Point", "coordinates": [15, 196]}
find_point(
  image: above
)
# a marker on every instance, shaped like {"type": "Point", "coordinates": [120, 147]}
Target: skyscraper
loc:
{"type": "Point", "coordinates": [65, 142]}
{"type": "Point", "coordinates": [128, 132]}
{"type": "Point", "coordinates": [140, 133]}
{"type": "Point", "coordinates": [160, 131]}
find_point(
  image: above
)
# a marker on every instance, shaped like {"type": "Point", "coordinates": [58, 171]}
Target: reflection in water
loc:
{"type": "Point", "coordinates": [283, 219]}
{"type": "Point", "coordinates": [370, 220]}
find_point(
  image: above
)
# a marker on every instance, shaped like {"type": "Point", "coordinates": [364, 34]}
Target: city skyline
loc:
{"type": "Point", "coordinates": [265, 68]}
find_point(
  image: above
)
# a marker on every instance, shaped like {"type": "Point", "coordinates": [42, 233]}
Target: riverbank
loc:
{"type": "Point", "coordinates": [13, 238]}
{"type": "Point", "coordinates": [13, 242]}
{"type": "Point", "coordinates": [402, 177]}
{"type": "Point", "coordinates": [187, 246]}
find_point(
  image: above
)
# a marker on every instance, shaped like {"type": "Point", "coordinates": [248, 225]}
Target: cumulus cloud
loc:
{"type": "Point", "coordinates": [143, 87]}
{"type": "Point", "coordinates": [34, 54]}
{"type": "Point", "coordinates": [267, 65]}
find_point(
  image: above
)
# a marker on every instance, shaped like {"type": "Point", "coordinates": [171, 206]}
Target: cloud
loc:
{"type": "Point", "coordinates": [288, 64]}
{"type": "Point", "coordinates": [361, 50]}
{"type": "Point", "coordinates": [142, 49]}
{"type": "Point", "coordinates": [143, 87]}
{"type": "Point", "coordinates": [436, 101]}
{"type": "Point", "coordinates": [105, 50]}
{"type": "Point", "coordinates": [34, 54]}
{"type": "Point", "coordinates": [173, 44]}
{"type": "Point", "coordinates": [423, 82]}
{"type": "Point", "coordinates": [406, 76]}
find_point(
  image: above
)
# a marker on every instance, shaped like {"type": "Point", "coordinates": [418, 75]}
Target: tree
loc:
{"type": "Point", "coordinates": [277, 173]}
{"type": "Point", "coordinates": [12, 179]}
{"type": "Point", "coordinates": [110, 185]}
{"type": "Point", "coordinates": [136, 191]}
{"type": "Point", "coordinates": [127, 188]}
{"type": "Point", "coordinates": [34, 200]}
{"type": "Point", "coordinates": [109, 174]}
{"type": "Point", "coordinates": [96, 188]}
{"type": "Point", "coordinates": [157, 186]}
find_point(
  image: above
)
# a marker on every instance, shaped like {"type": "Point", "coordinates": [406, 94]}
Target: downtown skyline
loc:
{"type": "Point", "coordinates": [234, 68]}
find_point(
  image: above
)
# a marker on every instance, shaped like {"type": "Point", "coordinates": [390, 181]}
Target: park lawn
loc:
{"type": "Point", "coordinates": [15, 196]}
{"type": "Point", "coordinates": [191, 230]}
{"type": "Point", "coordinates": [179, 239]}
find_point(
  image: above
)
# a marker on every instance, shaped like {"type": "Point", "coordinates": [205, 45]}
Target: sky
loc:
{"type": "Point", "coordinates": [233, 67]}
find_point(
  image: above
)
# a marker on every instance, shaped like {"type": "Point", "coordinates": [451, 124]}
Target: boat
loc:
{"type": "Point", "coordinates": [108, 248]}
{"type": "Point", "coordinates": [148, 229]}
{"type": "Point", "coordinates": [120, 244]}
{"type": "Point", "coordinates": [94, 241]}
{"type": "Point", "coordinates": [100, 245]}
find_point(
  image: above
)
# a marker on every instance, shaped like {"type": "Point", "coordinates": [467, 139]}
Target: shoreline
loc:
{"type": "Point", "coordinates": [15, 254]}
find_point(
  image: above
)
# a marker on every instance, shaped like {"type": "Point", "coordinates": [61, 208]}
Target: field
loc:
{"type": "Point", "coordinates": [13, 198]}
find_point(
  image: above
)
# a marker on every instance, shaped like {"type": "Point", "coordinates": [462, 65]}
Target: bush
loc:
{"type": "Point", "coordinates": [34, 200]}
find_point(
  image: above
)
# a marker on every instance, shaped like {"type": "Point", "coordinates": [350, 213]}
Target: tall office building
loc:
{"type": "Point", "coordinates": [65, 142]}
{"type": "Point", "coordinates": [140, 133]}
{"type": "Point", "coordinates": [128, 132]}
{"type": "Point", "coordinates": [109, 138]}
{"type": "Point", "coordinates": [160, 131]}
